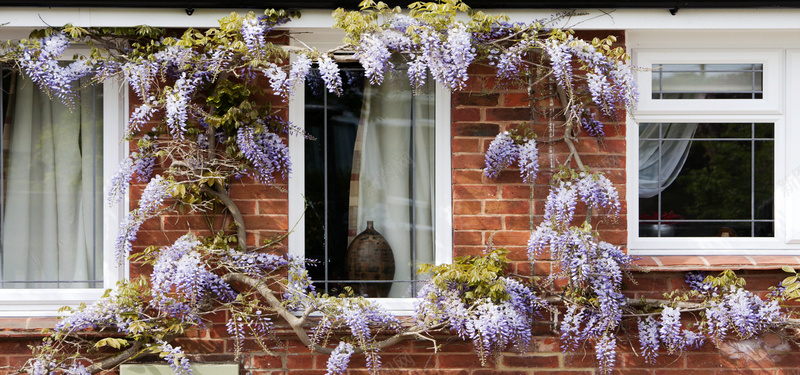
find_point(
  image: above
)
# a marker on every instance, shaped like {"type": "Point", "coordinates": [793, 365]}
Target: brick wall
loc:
{"type": "Point", "coordinates": [483, 211]}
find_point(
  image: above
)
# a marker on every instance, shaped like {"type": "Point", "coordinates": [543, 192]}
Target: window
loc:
{"type": "Point", "coordinates": [55, 225]}
{"type": "Point", "coordinates": [380, 156]}
{"type": "Point", "coordinates": [707, 148]}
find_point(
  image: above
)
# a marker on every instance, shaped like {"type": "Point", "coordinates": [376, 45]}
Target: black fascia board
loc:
{"type": "Point", "coordinates": [353, 4]}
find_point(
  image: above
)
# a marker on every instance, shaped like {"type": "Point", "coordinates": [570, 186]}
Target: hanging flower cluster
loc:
{"type": "Point", "coordinates": [180, 280]}
{"type": "Point", "coordinates": [150, 204]}
{"type": "Point", "coordinates": [505, 149]}
{"type": "Point", "coordinates": [474, 299]}
{"type": "Point", "coordinates": [39, 60]}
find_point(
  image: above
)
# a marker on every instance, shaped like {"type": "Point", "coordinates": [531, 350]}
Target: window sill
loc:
{"type": "Point", "coordinates": [25, 327]}
{"type": "Point", "coordinates": [715, 262]}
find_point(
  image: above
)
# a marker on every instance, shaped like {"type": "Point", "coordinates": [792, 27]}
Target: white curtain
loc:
{"type": "Point", "coordinates": [52, 212]}
{"type": "Point", "coordinates": [395, 183]}
{"type": "Point", "coordinates": [661, 161]}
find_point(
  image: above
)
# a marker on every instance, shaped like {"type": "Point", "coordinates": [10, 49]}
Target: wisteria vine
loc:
{"type": "Point", "coordinates": [202, 123]}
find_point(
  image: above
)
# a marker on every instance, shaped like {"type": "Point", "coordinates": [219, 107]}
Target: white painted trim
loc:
{"type": "Point", "coordinates": [297, 183]}
{"type": "Point", "coordinates": [789, 184]}
{"type": "Point", "coordinates": [587, 19]}
{"type": "Point", "coordinates": [443, 178]}
{"type": "Point", "coordinates": [198, 368]}
{"type": "Point", "coordinates": [772, 60]}
{"type": "Point", "coordinates": [115, 120]}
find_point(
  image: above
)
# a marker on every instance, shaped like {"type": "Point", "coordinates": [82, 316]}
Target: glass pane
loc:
{"type": "Point", "coordinates": [52, 189]}
{"type": "Point", "coordinates": [372, 162]}
{"type": "Point", "coordinates": [763, 180]}
{"type": "Point", "coordinates": [707, 81]}
{"type": "Point", "coordinates": [702, 178]}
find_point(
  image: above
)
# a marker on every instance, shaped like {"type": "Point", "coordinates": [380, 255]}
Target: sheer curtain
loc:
{"type": "Point", "coordinates": [395, 173]}
{"type": "Point", "coordinates": [660, 161]}
{"type": "Point", "coordinates": [52, 207]}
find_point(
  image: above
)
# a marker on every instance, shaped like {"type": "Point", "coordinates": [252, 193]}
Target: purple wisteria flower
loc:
{"type": "Point", "coordinates": [560, 54]}
{"type": "Point", "coordinates": [597, 191]}
{"type": "Point", "coordinates": [104, 313]}
{"type": "Point", "coordinates": [501, 154]}
{"type": "Point", "coordinates": [254, 264]}
{"type": "Point", "coordinates": [39, 60]}
{"type": "Point", "coordinates": [180, 280]}
{"type": "Point", "coordinates": [266, 152]}
{"type": "Point", "coordinates": [649, 338]}
{"type": "Point", "coordinates": [340, 358]}
{"type": "Point", "coordinates": [528, 161]}
{"type": "Point", "coordinates": [153, 196]}
{"type": "Point", "coordinates": [120, 181]}
{"type": "Point", "coordinates": [606, 353]}
{"type": "Point", "coordinates": [140, 76]}
{"type": "Point", "coordinates": [592, 125]}
{"type": "Point", "coordinates": [329, 71]}
{"type": "Point", "coordinates": [299, 288]}
{"type": "Point", "coordinates": [176, 358]}
{"type": "Point", "coordinates": [374, 55]}
{"type": "Point", "coordinates": [671, 333]}
{"type": "Point", "coordinates": [253, 35]}
{"type": "Point", "coordinates": [141, 115]}
{"type": "Point", "coordinates": [491, 325]}
{"type": "Point", "coordinates": [177, 104]}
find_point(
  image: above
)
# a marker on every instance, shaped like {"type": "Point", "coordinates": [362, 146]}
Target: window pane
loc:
{"type": "Point", "coordinates": [372, 161]}
{"type": "Point", "coordinates": [707, 81]}
{"type": "Point", "coordinates": [51, 188]}
{"type": "Point", "coordinates": [706, 180]}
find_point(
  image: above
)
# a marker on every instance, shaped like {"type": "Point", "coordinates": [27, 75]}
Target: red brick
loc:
{"type": "Point", "coordinates": [201, 346]}
{"type": "Point", "coordinates": [477, 222]}
{"type": "Point", "coordinates": [663, 361]}
{"type": "Point", "coordinates": [467, 207]}
{"type": "Point", "coordinates": [464, 176]}
{"type": "Point", "coordinates": [535, 361]}
{"type": "Point", "coordinates": [507, 207]}
{"type": "Point", "coordinates": [472, 129]}
{"type": "Point", "coordinates": [462, 144]}
{"type": "Point", "coordinates": [15, 347]}
{"type": "Point", "coordinates": [249, 192]}
{"type": "Point", "coordinates": [267, 362]}
{"type": "Point", "coordinates": [467, 238]}
{"type": "Point", "coordinates": [468, 161]}
{"type": "Point", "coordinates": [515, 99]}
{"type": "Point", "coordinates": [508, 114]}
{"type": "Point", "coordinates": [461, 361]}
{"type": "Point", "coordinates": [269, 222]}
{"type": "Point", "coordinates": [511, 238]}
{"type": "Point", "coordinates": [474, 192]}
{"type": "Point", "coordinates": [475, 99]}
{"type": "Point", "coordinates": [465, 115]}
{"type": "Point", "coordinates": [434, 372]}
{"type": "Point", "coordinates": [299, 361]}
{"type": "Point", "coordinates": [272, 207]}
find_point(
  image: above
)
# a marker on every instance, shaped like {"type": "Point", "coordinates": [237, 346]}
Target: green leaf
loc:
{"type": "Point", "coordinates": [788, 269]}
{"type": "Point", "coordinates": [113, 342]}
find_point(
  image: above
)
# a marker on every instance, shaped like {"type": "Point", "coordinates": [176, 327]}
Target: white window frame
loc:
{"type": "Point", "coordinates": [443, 237]}
{"type": "Point", "coordinates": [673, 47]}
{"type": "Point", "coordinates": [47, 302]}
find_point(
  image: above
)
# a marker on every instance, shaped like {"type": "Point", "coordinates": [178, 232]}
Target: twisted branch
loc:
{"type": "Point", "coordinates": [219, 193]}
{"type": "Point", "coordinates": [297, 322]}
{"type": "Point", "coordinates": [121, 357]}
